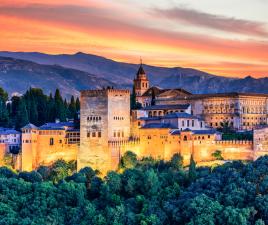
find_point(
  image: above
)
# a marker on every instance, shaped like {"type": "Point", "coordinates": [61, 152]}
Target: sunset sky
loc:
{"type": "Point", "coordinates": [227, 37]}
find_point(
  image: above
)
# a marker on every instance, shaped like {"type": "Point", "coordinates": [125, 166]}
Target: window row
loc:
{"type": "Point", "coordinates": [93, 118]}
{"type": "Point", "coordinates": [118, 118]}
{"type": "Point", "coordinates": [94, 134]}
{"type": "Point", "coordinates": [119, 134]}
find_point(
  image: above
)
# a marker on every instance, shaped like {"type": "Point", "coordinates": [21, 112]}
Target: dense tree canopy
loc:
{"type": "Point", "coordinates": [145, 191]}
{"type": "Point", "coordinates": [37, 108]}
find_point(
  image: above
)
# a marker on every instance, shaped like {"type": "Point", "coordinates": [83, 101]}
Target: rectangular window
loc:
{"type": "Point", "coordinates": [93, 134]}
{"type": "Point", "coordinates": [88, 134]}
{"type": "Point", "coordinates": [99, 134]}
{"type": "Point", "coordinates": [51, 141]}
{"type": "Point", "coordinates": [192, 123]}
{"type": "Point", "coordinates": [182, 123]}
{"type": "Point", "coordinates": [188, 123]}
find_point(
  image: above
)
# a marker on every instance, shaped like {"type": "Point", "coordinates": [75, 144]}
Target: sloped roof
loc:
{"type": "Point", "coordinates": [210, 131]}
{"type": "Point", "coordinates": [57, 126]}
{"type": "Point", "coordinates": [180, 115]}
{"type": "Point", "coordinates": [30, 126]}
{"type": "Point", "coordinates": [140, 70]}
{"type": "Point", "coordinates": [173, 93]}
{"type": "Point", "coordinates": [161, 107]}
{"type": "Point", "coordinates": [158, 125]}
{"type": "Point", "coordinates": [154, 89]}
{"type": "Point", "coordinates": [7, 131]}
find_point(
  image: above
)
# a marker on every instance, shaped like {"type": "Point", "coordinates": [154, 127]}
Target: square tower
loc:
{"type": "Point", "coordinates": [104, 117]}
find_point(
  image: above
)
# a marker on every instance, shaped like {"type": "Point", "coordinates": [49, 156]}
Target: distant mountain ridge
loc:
{"type": "Point", "coordinates": [122, 74]}
{"type": "Point", "coordinates": [17, 75]}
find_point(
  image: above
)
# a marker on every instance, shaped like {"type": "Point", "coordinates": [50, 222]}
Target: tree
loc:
{"type": "Point", "coordinates": [176, 161]}
{"type": "Point", "coordinates": [22, 115]}
{"type": "Point", "coordinates": [72, 109]}
{"type": "Point", "coordinates": [217, 155]}
{"type": "Point", "coordinates": [133, 98]}
{"type": "Point", "coordinates": [4, 117]}
{"type": "Point", "coordinates": [192, 169]}
{"type": "Point", "coordinates": [77, 104]}
{"type": "Point", "coordinates": [133, 101]}
{"type": "Point", "coordinates": [59, 107]}
{"type": "Point", "coordinates": [129, 160]}
{"type": "Point", "coordinates": [153, 97]}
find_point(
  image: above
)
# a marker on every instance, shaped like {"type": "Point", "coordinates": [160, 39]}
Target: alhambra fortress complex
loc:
{"type": "Point", "coordinates": [169, 121]}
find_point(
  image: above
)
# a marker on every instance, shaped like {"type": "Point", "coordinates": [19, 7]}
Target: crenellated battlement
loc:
{"type": "Point", "coordinates": [234, 142]}
{"type": "Point", "coordinates": [103, 92]}
{"type": "Point", "coordinates": [121, 143]}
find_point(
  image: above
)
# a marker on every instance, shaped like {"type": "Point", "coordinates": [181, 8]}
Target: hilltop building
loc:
{"type": "Point", "coordinates": [241, 111]}
{"type": "Point", "coordinates": [170, 121]}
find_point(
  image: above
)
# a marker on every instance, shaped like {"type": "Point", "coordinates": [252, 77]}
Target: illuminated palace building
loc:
{"type": "Point", "coordinates": [176, 122]}
{"type": "Point", "coordinates": [242, 111]}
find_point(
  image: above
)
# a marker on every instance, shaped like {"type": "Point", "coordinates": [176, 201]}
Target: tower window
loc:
{"type": "Point", "coordinates": [51, 141]}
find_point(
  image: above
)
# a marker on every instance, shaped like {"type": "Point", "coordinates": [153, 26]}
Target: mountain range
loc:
{"type": "Point", "coordinates": [73, 72]}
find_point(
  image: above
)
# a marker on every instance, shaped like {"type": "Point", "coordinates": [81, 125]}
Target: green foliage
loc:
{"type": "Point", "coordinates": [129, 160]}
{"type": "Point", "coordinates": [152, 192]}
{"type": "Point", "coordinates": [133, 101]}
{"type": "Point", "coordinates": [192, 169]}
{"type": "Point", "coordinates": [217, 155]}
{"type": "Point", "coordinates": [37, 108]}
{"type": "Point", "coordinates": [248, 135]}
{"type": "Point", "coordinates": [176, 161]}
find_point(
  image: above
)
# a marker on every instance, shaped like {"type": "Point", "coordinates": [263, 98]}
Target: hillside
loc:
{"type": "Point", "coordinates": [18, 75]}
{"type": "Point", "coordinates": [122, 74]}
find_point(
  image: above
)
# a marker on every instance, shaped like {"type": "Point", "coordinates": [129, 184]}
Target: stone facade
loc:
{"type": "Point", "coordinates": [260, 137]}
{"type": "Point", "coordinates": [47, 144]}
{"type": "Point", "coordinates": [104, 117]}
{"type": "Point", "coordinates": [242, 111]}
{"type": "Point", "coordinates": [178, 122]}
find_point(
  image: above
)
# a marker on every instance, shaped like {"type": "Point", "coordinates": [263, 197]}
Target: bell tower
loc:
{"type": "Point", "coordinates": [141, 83]}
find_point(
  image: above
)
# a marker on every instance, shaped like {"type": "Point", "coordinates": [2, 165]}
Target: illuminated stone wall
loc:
{"type": "Point", "coordinates": [240, 111]}
{"type": "Point", "coordinates": [43, 147]}
{"type": "Point", "coordinates": [260, 137]}
{"type": "Point", "coordinates": [104, 117]}
{"type": "Point", "coordinates": [159, 144]}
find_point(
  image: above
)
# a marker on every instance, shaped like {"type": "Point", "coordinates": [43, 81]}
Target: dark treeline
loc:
{"type": "Point", "coordinates": [143, 192]}
{"type": "Point", "coordinates": [35, 107]}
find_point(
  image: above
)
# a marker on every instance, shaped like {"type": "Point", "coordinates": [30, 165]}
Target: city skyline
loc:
{"type": "Point", "coordinates": [223, 38]}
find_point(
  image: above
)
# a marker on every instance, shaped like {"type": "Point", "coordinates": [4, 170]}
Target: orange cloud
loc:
{"type": "Point", "coordinates": [64, 28]}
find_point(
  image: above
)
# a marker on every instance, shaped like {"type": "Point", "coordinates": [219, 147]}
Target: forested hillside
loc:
{"type": "Point", "coordinates": [141, 192]}
{"type": "Point", "coordinates": [37, 108]}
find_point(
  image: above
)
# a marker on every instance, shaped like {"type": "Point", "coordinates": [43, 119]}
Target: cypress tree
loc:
{"type": "Point", "coordinates": [133, 98]}
{"type": "Point", "coordinates": [59, 110]}
{"type": "Point", "coordinates": [22, 115]}
{"type": "Point", "coordinates": [77, 104]}
{"type": "Point", "coordinates": [50, 109]}
{"type": "Point", "coordinates": [153, 97]}
{"type": "Point", "coordinates": [4, 115]}
{"type": "Point", "coordinates": [72, 108]}
{"type": "Point", "coordinates": [192, 169]}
